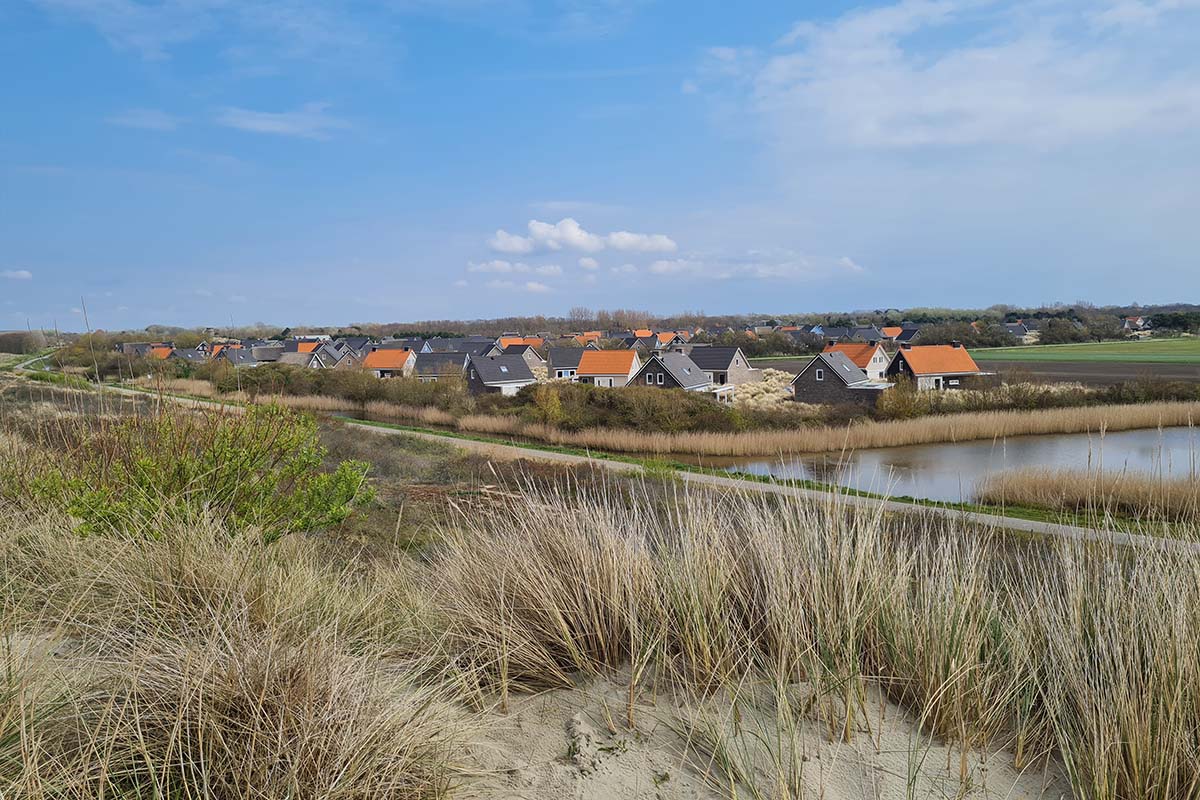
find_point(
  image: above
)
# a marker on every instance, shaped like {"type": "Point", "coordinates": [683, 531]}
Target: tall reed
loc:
{"type": "Point", "coordinates": [1138, 495]}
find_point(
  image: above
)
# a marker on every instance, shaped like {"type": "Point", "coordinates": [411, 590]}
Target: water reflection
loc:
{"type": "Point", "coordinates": [950, 471]}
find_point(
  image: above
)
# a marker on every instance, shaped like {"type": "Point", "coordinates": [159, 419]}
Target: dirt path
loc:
{"type": "Point", "coordinates": [505, 452]}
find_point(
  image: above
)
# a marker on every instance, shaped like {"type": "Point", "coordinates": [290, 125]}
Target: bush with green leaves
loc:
{"type": "Point", "coordinates": [261, 469]}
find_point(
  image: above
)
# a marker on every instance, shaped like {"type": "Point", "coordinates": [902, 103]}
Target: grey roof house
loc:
{"type": "Point", "coordinates": [671, 370]}
{"type": "Point", "coordinates": [725, 365]}
{"type": "Point", "coordinates": [503, 374]}
{"type": "Point", "coordinates": [431, 367]}
{"type": "Point", "coordinates": [563, 362]}
{"type": "Point", "coordinates": [833, 378]}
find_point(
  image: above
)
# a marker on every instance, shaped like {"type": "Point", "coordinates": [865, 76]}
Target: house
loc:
{"type": "Point", "coordinates": [831, 377]}
{"type": "Point", "coordinates": [309, 360]}
{"type": "Point", "coordinates": [190, 356]}
{"type": "Point", "coordinates": [246, 357]}
{"type": "Point", "coordinates": [934, 366]}
{"type": "Point", "coordinates": [607, 367]}
{"type": "Point", "coordinates": [870, 356]}
{"type": "Point", "coordinates": [432, 367]}
{"type": "Point", "coordinates": [390, 363]}
{"type": "Point", "coordinates": [672, 370]}
{"type": "Point", "coordinates": [264, 353]}
{"type": "Point", "coordinates": [160, 353]}
{"type": "Point", "coordinates": [668, 339]}
{"type": "Point", "coordinates": [503, 374]}
{"type": "Point", "coordinates": [472, 345]}
{"type": "Point", "coordinates": [725, 365]}
{"type": "Point", "coordinates": [1136, 326]}
{"type": "Point", "coordinates": [532, 357]}
{"type": "Point", "coordinates": [908, 332]}
{"type": "Point", "coordinates": [890, 332]}
{"type": "Point", "coordinates": [563, 362]}
{"type": "Point", "coordinates": [506, 342]}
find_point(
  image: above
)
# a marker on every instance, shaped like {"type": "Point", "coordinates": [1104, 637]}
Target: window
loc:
{"type": "Point", "coordinates": [954, 383]}
{"type": "Point", "coordinates": [503, 368]}
{"type": "Point", "coordinates": [660, 379]}
{"type": "Point", "coordinates": [649, 378]}
{"type": "Point", "coordinates": [472, 374]}
{"type": "Point", "coordinates": [820, 375]}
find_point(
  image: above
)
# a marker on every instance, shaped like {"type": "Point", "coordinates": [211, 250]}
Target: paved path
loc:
{"type": "Point", "coordinates": [507, 452]}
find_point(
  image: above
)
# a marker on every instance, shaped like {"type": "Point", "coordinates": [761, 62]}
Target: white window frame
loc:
{"type": "Point", "coordinates": [649, 379]}
{"type": "Point", "coordinates": [660, 379]}
{"type": "Point", "coordinates": [820, 375]}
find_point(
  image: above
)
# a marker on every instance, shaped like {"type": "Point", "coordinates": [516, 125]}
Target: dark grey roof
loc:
{"type": "Point", "coordinates": [191, 356]}
{"type": "Point", "coordinates": [835, 332]}
{"type": "Point", "coordinates": [866, 333]}
{"type": "Point", "coordinates": [441, 364]}
{"type": "Point", "coordinates": [846, 370]}
{"type": "Point", "coordinates": [682, 368]}
{"type": "Point", "coordinates": [472, 345]}
{"type": "Point", "coordinates": [908, 334]}
{"type": "Point", "coordinates": [713, 358]}
{"type": "Point", "coordinates": [242, 357]}
{"type": "Point", "coordinates": [356, 343]}
{"type": "Point", "coordinates": [270, 352]}
{"type": "Point", "coordinates": [1016, 328]}
{"type": "Point", "coordinates": [294, 358]}
{"type": "Point", "coordinates": [565, 357]}
{"type": "Point", "coordinates": [412, 343]}
{"type": "Point", "coordinates": [505, 368]}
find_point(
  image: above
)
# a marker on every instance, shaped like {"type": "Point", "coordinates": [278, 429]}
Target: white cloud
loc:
{"type": "Point", "coordinates": [535, 286]}
{"type": "Point", "coordinates": [568, 234]}
{"type": "Point", "coordinates": [564, 233]}
{"type": "Point", "coordinates": [548, 270]}
{"type": "Point", "coordinates": [505, 242]}
{"type": "Point", "coordinates": [310, 121]}
{"type": "Point", "coordinates": [76, 310]}
{"type": "Point", "coordinates": [145, 118]}
{"type": "Point", "coordinates": [674, 266]}
{"type": "Point", "coordinates": [850, 265]}
{"type": "Point", "coordinates": [880, 78]}
{"type": "Point", "coordinates": [17, 274]}
{"type": "Point", "coordinates": [587, 262]}
{"type": "Point", "coordinates": [641, 242]}
{"type": "Point", "coordinates": [781, 265]}
{"type": "Point", "coordinates": [624, 269]}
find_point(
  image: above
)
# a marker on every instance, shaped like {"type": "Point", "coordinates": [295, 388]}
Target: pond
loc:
{"type": "Point", "coordinates": [950, 471]}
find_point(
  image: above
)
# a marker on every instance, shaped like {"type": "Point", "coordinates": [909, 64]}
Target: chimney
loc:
{"type": "Point", "coordinates": [906, 346]}
{"type": "Point", "coordinates": [831, 342]}
{"type": "Point", "coordinates": [956, 344]}
{"type": "Point", "coordinates": [873, 342]}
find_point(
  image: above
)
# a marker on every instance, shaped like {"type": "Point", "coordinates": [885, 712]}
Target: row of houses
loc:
{"type": "Point", "coordinates": [849, 369]}
{"type": "Point", "coordinates": [856, 373]}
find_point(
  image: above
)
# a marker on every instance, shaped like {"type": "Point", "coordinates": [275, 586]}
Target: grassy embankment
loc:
{"type": "Point", "coordinates": [174, 659]}
{"type": "Point", "coordinates": [1135, 496]}
{"type": "Point", "coordinates": [823, 439]}
{"type": "Point", "coordinates": [1182, 350]}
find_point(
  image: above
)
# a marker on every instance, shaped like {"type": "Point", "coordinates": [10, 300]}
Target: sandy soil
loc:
{"type": "Point", "coordinates": [576, 744]}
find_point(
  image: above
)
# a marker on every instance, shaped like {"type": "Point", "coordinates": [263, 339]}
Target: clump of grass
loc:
{"type": "Point", "coordinates": [1095, 492]}
{"type": "Point", "coordinates": [261, 469]}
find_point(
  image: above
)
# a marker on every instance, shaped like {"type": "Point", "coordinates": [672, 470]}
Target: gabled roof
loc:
{"type": "Point", "coordinates": [685, 371]}
{"type": "Point", "coordinates": [192, 356]}
{"type": "Point", "coordinates": [642, 333]}
{"type": "Point", "coordinates": [297, 359]}
{"type": "Point", "coordinates": [714, 358]}
{"type": "Point", "coordinates": [847, 372]}
{"type": "Point", "coordinates": [243, 357]}
{"type": "Point", "coordinates": [503, 368]}
{"type": "Point", "coordinates": [606, 362]}
{"type": "Point", "coordinates": [938, 359]}
{"type": "Point", "coordinates": [666, 337]}
{"type": "Point", "coordinates": [891, 331]}
{"type": "Point", "coordinates": [565, 357]}
{"type": "Point", "coordinates": [441, 364]}
{"type": "Point", "coordinates": [859, 353]}
{"type": "Point", "coordinates": [907, 334]}
{"type": "Point", "coordinates": [307, 347]}
{"type": "Point", "coordinates": [511, 341]}
{"type": "Point", "coordinates": [160, 353]}
{"type": "Point", "coordinates": [391, 358]}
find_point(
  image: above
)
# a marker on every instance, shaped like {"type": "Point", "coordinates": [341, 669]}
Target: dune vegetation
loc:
{"type": "Point", "coordinates": [858, 434]}
{"type": "Point", "coordinates": [759, 639]}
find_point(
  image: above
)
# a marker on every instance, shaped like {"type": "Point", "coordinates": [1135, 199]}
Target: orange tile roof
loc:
{"type": "Point", "coordinates": [390, 358]}
{"type": "Point", "coordinates": [307, 347]}
{"type": "Point", "coordinates": [938, 359]}
{"type": "Point", "coordinates": [642, 333]}
{"type": "Point", "coordinates": [606, 362]}
{"type": "Point", "coordinates": [892, 331]}
{"type": "Point", "coordinates": [858, 352]}
{"type": "Point", "coordinates": [532, 341]}
{"type": "Point", "coordinates": [161, 352]}
{"type": "Point", "coordinates": [666, 336]}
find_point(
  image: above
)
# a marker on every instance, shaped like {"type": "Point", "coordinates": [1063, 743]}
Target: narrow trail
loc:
{"type": "Point", "coordinates": [507, 452]}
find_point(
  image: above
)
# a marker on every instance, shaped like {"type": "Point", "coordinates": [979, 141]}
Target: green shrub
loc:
{"type": "Point", "coordinates": [260, 469]}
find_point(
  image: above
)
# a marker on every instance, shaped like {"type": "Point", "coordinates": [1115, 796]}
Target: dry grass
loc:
{"type": "Point", "coordinates": [198, 664]}
{"type": "Point", "coordinates": [1096, 492]}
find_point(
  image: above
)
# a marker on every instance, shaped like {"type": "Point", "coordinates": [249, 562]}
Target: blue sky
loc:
{"type": "Point", "coordinates": [213, 161]}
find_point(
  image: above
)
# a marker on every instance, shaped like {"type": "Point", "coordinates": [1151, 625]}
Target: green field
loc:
{"type": "Point", "coordinates": [1184, 350]}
